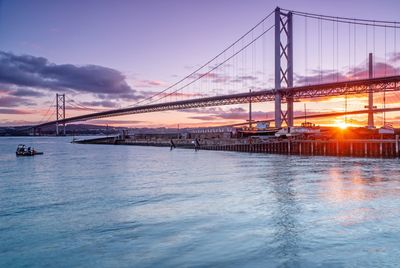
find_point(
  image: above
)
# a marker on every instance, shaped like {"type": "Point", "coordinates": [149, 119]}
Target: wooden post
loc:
{"type": "Point", "coordinates": [288, 147]}
{"type": "Point", "coordinates": [397, 145]}
{"type": "Point", "coordinates": [365, 149]}
{"type": "Point", "coordinates": [380, 149]}
{"type": "Point", "coordinates": [351, 149]}
{"type": "Point", "coordinates": [337, 147]}
{"type": "Point", "coordinates": [312, 148]}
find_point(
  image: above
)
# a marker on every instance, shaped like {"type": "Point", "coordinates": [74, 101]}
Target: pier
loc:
{"type": "Point", "coordinates": [375, 148]}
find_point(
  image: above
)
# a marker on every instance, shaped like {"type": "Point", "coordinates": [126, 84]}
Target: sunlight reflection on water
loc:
{"type": "Point", "coordinates": [126, 206]}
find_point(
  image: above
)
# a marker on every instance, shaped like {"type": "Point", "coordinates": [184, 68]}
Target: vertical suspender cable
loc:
{"type": "Point", "coordinates": [305, 49]}
{"type": "Point", "coordinates": [384, 90]}
{"type": "Point", "coordinates": [366, 50]}
{"type": "Point", "coordinates": [385, 52]}
{"type": "Point", "coordinates": [395, 50]}
{"type": "Point", "coordinates": [373, 48]}
{"type": "Point", "coordinates": [349, 48]}
{"type": "Point", "coordinates": [319, 49]}
{"type": "Point", "coordinates": [337, 50]}
{"type": "Point", "coordinates": [252, 57]}
{"type": "Point", "coordinates": [333, 49]}
{"type": "Point", "coordinates": [345, 109]}
{"type": "Point", "coordinates": [243, 67]}
{"type": "Point", "coordinates": [263, 55]}
{"type": "Point", "coordinates": [354, 45]}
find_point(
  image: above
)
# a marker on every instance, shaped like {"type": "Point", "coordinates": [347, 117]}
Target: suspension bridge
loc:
{"type": "Point", "coordinates": [338, 60]}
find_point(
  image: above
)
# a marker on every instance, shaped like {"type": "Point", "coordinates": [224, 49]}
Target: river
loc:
{"type": "Point", "coordinates": [131, 206]}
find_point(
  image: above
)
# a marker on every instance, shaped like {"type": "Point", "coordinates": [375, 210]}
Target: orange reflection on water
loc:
{"type": "Point", "coordinates": [344, 187]}
{"type": "Point", "coordinates": [347, 189]}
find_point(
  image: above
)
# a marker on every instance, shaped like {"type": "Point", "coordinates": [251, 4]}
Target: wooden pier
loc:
{"type": "Point", "coordinates": [384, 148]}
{"type": "Point", "coordinates": [378, 148]}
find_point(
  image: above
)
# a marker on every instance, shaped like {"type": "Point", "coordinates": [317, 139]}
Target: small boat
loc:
{"type": "Point", "coordinates": [22, 150]}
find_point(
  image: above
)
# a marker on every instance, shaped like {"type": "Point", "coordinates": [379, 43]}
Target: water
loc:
{"type": "Point", "coordinates": [126, 206]}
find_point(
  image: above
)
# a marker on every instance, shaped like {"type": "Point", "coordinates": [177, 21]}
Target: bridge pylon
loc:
{"type": "Point", "coordinates": [60, 112]}
{"type": "Point", "coordinates": [283, 65]}
{"type": "Point", "coordinates": [370, 106]}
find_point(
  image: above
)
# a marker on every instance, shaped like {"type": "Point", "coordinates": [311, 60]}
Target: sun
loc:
{"type": "Point", "coordinates": [341, 124]}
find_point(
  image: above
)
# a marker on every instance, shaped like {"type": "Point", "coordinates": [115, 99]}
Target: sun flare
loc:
{"type": "Point", "coordinates": [341, 124]}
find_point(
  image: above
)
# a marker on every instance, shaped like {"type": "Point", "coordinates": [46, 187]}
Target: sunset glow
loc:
{"type": "Point", "coordinates": [341, 124]}
{"type": "Point", "coordinates": [98, 75]}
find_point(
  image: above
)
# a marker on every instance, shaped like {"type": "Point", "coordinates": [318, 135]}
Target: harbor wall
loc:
{"type": "Point", "coordinates": [379, 148]}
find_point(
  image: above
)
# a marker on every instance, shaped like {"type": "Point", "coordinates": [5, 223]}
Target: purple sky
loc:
{"type": "Point", "coordinates": [141, 47]}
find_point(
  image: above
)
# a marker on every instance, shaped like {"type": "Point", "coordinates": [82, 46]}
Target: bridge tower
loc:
{"type": "Point", "coordinates": [370, 106]}
{"type": "Point", "coordinates": [283, 65]}
{"type": "Point", "coordinates": [60, 112]}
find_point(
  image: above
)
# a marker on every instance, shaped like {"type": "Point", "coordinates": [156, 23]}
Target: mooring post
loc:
{"type": "Point", "coordinates": [337, 147]}
{"type": "Point", "coordinates": [351, 149]}
{"type": "Point", "coordinates": [312, 148]}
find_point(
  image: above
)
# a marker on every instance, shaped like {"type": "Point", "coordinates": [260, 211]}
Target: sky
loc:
{"type": "Point", "coordinates": [112, 54]}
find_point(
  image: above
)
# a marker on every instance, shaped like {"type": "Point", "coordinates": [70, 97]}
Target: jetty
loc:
{"type": "Point", "coordinates": [377, 148]}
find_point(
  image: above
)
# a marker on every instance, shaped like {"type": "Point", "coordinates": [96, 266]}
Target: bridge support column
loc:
{"type": "Point", "coordinates": [60, 112]}
{"type": "Point", "coordinates": [370, 95]}
{"type": "Point", "coordinates": [278, 110]}
{"type": "Point", "coordinates": [283, 66]}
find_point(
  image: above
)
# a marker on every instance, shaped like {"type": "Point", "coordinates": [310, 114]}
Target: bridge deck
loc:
{"type": "Point", "coordinates": [352, 87]}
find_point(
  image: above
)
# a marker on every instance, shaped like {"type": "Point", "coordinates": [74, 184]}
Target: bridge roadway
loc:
{"type": "Point", "coordinates": [321, 115]}
{"type": "Point", "coordinates": [361, 86]}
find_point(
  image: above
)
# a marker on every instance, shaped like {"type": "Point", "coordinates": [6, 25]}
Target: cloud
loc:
{"type": "Point", "coordinates": [218, 113]}
{"type": "Point", "coordinates": [39, 73]}
{"type": "Point", "coordinates": [116, 122]}
{"type": "Point", "coordinates": [9, 123]}
{"type": "Point", "coordinates": [223, 78]}
{"type": "Point", "coordinates": [104, 103]}
{"type": "Point", "coordinates": [22, 92]}
{"type": "Point", "coordinates": [243, 78]}
{"type": "Point", "coordinates": [214, 77]}
{"type": "Point", "coordinates": [317, 77]}
{"type": "Point", "coordinates": [11, 101]}
{"type": "Point", "coordinates": [182, 94]}
{"type": "Point", "coordinates": [359, 72]}
{"type": "Point", "coordinates": [394, 57]}
{"type": "Point", "coordinates": [149, 83]}
{"type": "Point", "coordinates": [379, 69]}
{"type": "Point", "coordinates": [13, 111]}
